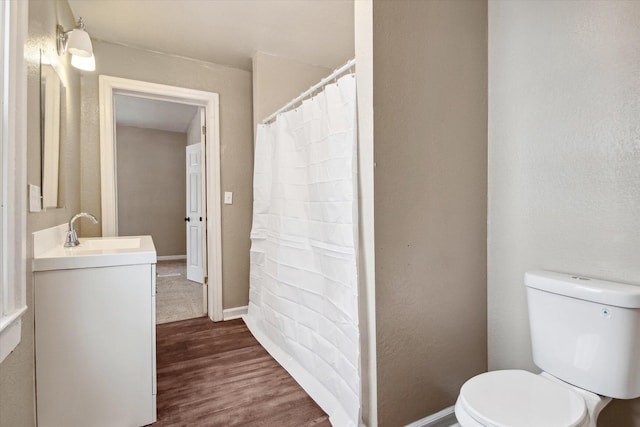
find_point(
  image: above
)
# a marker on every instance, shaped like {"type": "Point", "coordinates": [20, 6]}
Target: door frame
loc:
{"type": "Point", "coordinates": [110, 86]}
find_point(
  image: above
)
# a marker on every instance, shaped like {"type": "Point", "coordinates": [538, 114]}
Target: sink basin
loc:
{"type": "Point", "coordinates": [92, 252]}
{"type": "Point", "coordinates": [110, 243]}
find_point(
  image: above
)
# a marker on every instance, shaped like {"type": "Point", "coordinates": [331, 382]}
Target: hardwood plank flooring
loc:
{"type": "Point", "coordinates": [217, 374]}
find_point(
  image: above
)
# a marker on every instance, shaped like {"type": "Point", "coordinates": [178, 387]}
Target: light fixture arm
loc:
{"type": "Point", "coordinates": [61, 39]}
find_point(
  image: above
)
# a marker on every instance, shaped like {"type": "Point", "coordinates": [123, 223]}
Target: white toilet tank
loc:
{"type": "Point", "coordinates": [586, 332]}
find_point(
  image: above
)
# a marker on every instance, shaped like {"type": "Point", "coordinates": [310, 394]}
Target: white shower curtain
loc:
{"type": "Point", "coordinates": [303, 299]}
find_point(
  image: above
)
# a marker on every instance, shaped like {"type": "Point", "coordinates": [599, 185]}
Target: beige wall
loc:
{"type": "Point", "coordinates": [564, 158]}
{"type": "Point", "coordinates": [17, 406]}
{"type": "Point", "coordinates": [430, 141]}
{"type": "Point", "coordinates": [236, 146]}
{"type": "Point", "coordinates": [194, 131]}
{"type": "Point", "coordinates": [276, 81]}
{"type": "Point", "coordinates": [152, 186]}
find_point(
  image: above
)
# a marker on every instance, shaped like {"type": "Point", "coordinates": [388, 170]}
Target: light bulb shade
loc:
{"type": "Point", "coordinates": [83, 62]}
{"type": "Point", "coordinates": [79, 43]}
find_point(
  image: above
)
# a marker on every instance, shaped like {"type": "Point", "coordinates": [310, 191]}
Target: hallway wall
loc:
{"type": "Point", "coordinates": [152, 186]}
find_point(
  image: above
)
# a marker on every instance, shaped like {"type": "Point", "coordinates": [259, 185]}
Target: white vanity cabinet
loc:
{"type": "Point", "coordinates": [95, 340]}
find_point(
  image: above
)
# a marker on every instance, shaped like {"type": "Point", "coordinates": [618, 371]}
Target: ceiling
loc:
{"type": "Point", "coordinates": [228, 32]}
{"type": "Point", "coordinates": [153, 114]}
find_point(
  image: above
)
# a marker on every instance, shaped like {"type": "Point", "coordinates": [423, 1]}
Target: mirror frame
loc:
{"type": "Point", "coordinates": [52, 99]}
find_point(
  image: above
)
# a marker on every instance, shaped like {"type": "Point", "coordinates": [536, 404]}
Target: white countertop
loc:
{"type": "Point", "coordinates": [97, 252]}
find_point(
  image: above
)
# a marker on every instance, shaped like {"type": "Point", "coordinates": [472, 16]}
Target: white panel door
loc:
{"type": "Point", "coordinates": [194, 218]}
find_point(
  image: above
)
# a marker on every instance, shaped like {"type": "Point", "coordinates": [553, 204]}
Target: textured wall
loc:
{"type": "Point", "coordinates": [194, 132]}
{"type": "Point", "coordinates": [152, 187]}
{"type": "Point", "coordinates": [277, 81]}
{"type": "Point", "coordinates": [236, 147]}
{"type": "Point", "coordinates": [17, 406]}
{"type": "Point", "coordinates": [430, 143]}
{"type": "Point", "coordinates": [564, 158]}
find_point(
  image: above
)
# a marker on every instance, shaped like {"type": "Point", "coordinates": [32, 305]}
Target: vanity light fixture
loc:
{"type": "Point", "coordinates": [78, 43]}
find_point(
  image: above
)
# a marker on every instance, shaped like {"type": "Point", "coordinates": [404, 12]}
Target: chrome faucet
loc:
{"type": "Point", "coordinates": [72, 236]}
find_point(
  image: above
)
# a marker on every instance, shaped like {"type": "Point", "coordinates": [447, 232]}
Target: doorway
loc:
{"type": "Point", "coordinates": [209, 153]}
{"type": "Point", "coordinates": [160, 194]}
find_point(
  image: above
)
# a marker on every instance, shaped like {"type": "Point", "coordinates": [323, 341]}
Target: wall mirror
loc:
{"type": "Point", "coordinates": [52, 116]}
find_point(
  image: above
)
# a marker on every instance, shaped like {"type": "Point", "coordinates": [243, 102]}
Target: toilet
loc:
{"type": "Point", "coordinates": [585, 336]}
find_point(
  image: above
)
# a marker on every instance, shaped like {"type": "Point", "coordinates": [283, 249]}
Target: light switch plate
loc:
{"type": "Point", "coordinates": [228, 198]}
{"type": "Point", "coordinates": [35, 198]}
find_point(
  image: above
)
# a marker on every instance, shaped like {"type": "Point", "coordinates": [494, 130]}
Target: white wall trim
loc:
{"type": "Point", "coordinates": [234, 313]}
{"type": "Point", "coordinates": [10, 332]}
{"type": "Point", "coordinates": [444, 418]}
{"type": "Point", "coordinates": [171, 257]}
{"type": "Point", "coordinates": [108, 86]}
{"type": "Point", "coordinates": [363, 13]}
{"type": "Point", "coordinates": [13, 303]}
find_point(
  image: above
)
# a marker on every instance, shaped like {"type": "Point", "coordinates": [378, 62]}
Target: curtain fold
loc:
{"type": "Point", "coordinates": [303, 298]}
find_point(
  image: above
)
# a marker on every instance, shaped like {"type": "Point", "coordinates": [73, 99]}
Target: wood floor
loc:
{"type": "Point", "coordinates": [217, 374]}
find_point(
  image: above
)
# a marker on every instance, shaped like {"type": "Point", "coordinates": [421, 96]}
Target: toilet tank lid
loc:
{"type": "Point", "coordinates": [585, 288]}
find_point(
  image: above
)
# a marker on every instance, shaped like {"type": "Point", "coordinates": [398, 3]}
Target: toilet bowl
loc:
{"type": "Point", "coordinates": [513, 398]}
{"type": "Point", "coordinates": [583, 335]}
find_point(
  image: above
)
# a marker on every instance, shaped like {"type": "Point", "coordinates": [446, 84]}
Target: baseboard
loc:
{"type": "Point", "coordinates": [444, 418]}
{"type": "Point", "coordinates": [234, 313]}
{"type": "Point", "coordinates": [171, 257]}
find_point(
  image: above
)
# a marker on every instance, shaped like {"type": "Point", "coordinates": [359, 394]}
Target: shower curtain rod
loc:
{"type": "Point", "coordinates": [321, 83]}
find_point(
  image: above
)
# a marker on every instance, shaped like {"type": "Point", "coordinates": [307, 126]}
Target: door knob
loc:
{"type": "Point", "coordinates": [187, 219]}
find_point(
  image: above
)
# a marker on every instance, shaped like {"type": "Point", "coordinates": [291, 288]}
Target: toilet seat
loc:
{"type": "Point", "coordinates": [514, 398]}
